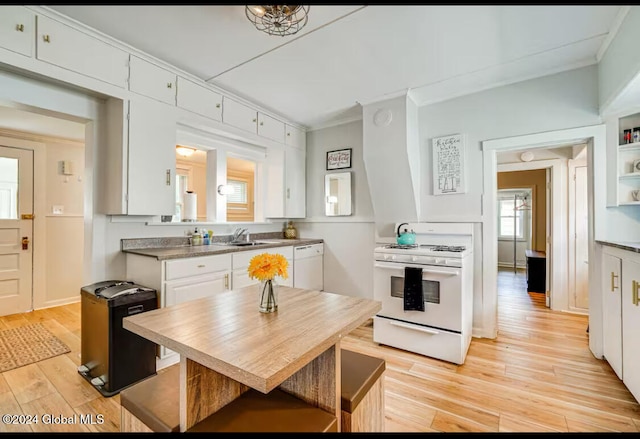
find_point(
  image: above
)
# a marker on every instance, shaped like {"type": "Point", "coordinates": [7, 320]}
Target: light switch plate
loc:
{"type": "Point", "coordinates": [58, 210]}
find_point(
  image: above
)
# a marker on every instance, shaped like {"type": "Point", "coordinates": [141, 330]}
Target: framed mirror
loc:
{"type": "Point", "coordinates": [337, 194]}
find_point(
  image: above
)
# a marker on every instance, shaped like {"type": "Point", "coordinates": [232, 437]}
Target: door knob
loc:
{"type": "Point", "coordinates": [25, 243]}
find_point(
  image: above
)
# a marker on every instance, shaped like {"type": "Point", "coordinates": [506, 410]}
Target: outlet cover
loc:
{"type": "Point", "coordinates": [58, 210]}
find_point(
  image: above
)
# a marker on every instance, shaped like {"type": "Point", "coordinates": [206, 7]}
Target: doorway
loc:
{"type": "Point", "coordinates": [594, 139]}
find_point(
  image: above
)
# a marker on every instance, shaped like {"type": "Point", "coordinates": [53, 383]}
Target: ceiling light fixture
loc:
{"type": "Point", "coordinates": [278, 19]}
{"type": "Point", "coordinates": [184, 151]}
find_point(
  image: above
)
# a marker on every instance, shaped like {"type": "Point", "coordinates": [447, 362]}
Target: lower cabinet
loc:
{"type": "Point", "coordinates": [180, 280]}
{"type": "Point", "coordinates": [631, 325]}
{"type": "Point", "coordinates": [621, 314]}
{"type": "Point", "coordinates": [612, 312]}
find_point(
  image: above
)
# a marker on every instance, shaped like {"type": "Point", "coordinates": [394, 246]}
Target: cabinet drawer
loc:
{"type": "Point", "coordinates": [178, 268]}
{"type": "Point", "coordinates": [241, 259]}
{"type": "Point", "coordinates": [66, 47]}
{"type": "Point", "coordinates": [200, 100]}
{"type": "Point", "coordinates": [270, 128]}
{"type": "Point", "coordinates": [17, 29]}
{"type": "Point", "coordinates": [239, 115]}
{"type": "Point", "coordinates": [150, 80]}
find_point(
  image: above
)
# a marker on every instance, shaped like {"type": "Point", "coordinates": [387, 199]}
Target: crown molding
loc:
{"type": "Point", "coordinates": [334, 123]}
{"type": "Point", "coordinates": [617, 23]}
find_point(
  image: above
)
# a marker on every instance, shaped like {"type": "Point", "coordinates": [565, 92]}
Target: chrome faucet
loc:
{"type": "Point", "coordinates": [237, 233]}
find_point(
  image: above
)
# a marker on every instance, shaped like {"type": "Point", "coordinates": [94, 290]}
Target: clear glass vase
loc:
{"type": "Point", "coordinates": [268, 296]}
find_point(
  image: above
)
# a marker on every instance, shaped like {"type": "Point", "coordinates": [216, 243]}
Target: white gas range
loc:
{"type": "Point", "coordinates": [439, 325]}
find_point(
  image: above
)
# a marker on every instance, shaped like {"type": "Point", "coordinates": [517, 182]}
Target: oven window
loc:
{"type": "Point", "coordinates": [430, 289]}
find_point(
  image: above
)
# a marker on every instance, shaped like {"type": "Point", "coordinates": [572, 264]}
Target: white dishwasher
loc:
{"type": "Point", "coordinates": [308, 266]}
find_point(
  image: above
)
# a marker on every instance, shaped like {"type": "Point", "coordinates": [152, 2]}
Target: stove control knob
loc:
{"type": "Point", "coordinates": [393, 257]}
{"type": "Point", "coordinates": [440, 261]}
{"type": "Point", "coordinates": [414, 258]}
{"type": "Point", "coordinates": [386, 257]}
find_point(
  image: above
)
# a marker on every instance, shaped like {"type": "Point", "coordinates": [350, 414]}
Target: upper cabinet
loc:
{"type": "Point", "coordinates": [295, 137]}
{"type": "Point", "coordinates": [199, 99]}
{"type": "Point", "coordinates": [71, 49]}
{"type": "Point", "coordinates": [150, 80]}
{"type": "Point", "coordinates": [239, 115]}
{"type": "Point", "coordinates": [17, 29]}
{"type": "Point", "coordinates": [270, 128]}
{"type": "Point", "coordinates": [140, 158]}
{"type": "Point", "coordinates": [623, 167]}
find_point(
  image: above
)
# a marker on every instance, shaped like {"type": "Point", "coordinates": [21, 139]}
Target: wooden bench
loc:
{"type": "Point", "coordinates": [152, 405]}
{"type": "Point", "coordinates": [362, 392]}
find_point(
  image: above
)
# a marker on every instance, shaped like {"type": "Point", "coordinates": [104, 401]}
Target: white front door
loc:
{"type": "Point", "coordinates": [16, 230]}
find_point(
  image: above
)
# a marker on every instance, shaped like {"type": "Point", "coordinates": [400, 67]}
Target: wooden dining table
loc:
{"type": "Point", "coordinates": [228, 346]}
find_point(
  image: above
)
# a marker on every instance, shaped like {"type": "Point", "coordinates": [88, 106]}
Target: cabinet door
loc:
{"type": "Point", "coordinates": [295, 194]}
{"type": "Point", "coordinates": [631, 326]}
{"type": "Point", "coordinates": [200, 100]}
{"type": "Point", "coordinates": [275, 190]}
{"type": "Point", "coordinates": [241, 279]}
{"type": "Point", "coordinates": [150, 80]}
{"type": "Point", "coordinates": [152, 158]}
{"type": "Point", "coordinates": [239, 115]}
{"type": "Point", "coordinates": [17, 29]}
{"type": "Point", "coordinates": [270, 128]}
{"type": "Point", "coordinates": [71, 49]}
{"type": "Point", "coordinates": [612, 312]}
{"type": "Point", "coordinates": [295, 137]}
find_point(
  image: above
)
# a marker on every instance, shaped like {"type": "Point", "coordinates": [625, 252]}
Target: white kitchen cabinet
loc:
{"type": "Point", "coordinates": [17, 29]}
{"type": "Point", "coordinates": [270, 128]}
{"type": "Point", "coordinates": [612, 312]}
{"type": "Point", "coordinates": [295, 192]}
{"type": "Point", "coordinates": [631, 324]}
{"type": "Point", "coordinates": [240, 264]}
{"type": "Point", "coordinates": [199, 99]}
{"type": "Point", "coordinates": [152, 81]}
{"type": "Point", "coordinates": [295, 137]}
{"type": "Point", "coordinates": [623, 160]}
{"type": "Point", "coordinates": [180, 280]}
{"type": "Point", "coordinates": [66, 47]}
{"type": "Point", "coordinates": [286, 187]}
{"type": "Point", "coordinates": [139, 177]}
{"type": "Point", "coordinates": [239, 115]}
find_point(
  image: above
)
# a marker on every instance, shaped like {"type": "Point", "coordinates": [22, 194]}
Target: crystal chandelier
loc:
{"type": "Point", "coordinates": [278, 19]}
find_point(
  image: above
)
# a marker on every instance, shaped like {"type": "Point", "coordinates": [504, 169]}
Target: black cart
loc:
{"type": "Point", "coordinates": [114, 358]}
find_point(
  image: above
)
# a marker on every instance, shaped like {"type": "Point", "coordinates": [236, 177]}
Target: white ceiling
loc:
{"type": "Point", "coordinates": [354, 54]}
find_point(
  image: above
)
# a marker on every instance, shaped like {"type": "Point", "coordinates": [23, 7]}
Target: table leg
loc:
{"type": "Point", "coordinates": [203, 392]}
{"type": "Point", "coordinates": [318, 383]}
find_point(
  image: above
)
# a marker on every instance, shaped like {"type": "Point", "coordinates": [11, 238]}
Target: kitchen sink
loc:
{"type": "Point", "coordinates": [246, 244]}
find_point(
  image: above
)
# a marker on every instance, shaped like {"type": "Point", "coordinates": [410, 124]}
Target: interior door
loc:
{"type": "Point", "coordinates": [548, 239]}
{"type": "Point", "coordinates": [16, 230]}
{"type": "Point", "coordinates": [581, 214]}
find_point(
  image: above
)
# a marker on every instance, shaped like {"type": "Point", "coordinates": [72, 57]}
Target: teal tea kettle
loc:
{"type": "Point", "coordinates": [406, 237]}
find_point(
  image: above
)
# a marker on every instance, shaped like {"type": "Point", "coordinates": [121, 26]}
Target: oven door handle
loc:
{"type": "Point", "coordinates": [394, 266]}
{"type": "Point", "coordinates": [415, 328]}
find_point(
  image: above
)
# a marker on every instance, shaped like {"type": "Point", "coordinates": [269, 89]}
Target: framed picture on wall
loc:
{"type": "Point", "coordinates": [339, 159]}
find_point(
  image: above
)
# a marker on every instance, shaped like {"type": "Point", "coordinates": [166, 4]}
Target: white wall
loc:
{"type": "Point", "coordinates": [348, 240]}
{"type": "Point", "coordinates": [64, 233]}
{"type": "Point", "coordinates": [564, 100]}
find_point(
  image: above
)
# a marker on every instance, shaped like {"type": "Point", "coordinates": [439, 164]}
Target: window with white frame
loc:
{"type": "Point", "coordinates": [513, 215]}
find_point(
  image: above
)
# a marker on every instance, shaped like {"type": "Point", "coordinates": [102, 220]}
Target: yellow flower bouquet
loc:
{"type": "Point", "coordinates": [265, 267]}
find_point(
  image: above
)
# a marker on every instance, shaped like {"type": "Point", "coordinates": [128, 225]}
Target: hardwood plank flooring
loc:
{"type": "Point", "coordinates": [538, 375]}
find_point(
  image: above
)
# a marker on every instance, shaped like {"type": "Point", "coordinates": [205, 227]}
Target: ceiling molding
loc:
{"type": "Point", "coordinates": [385, 97]}
{"type": "Point", "coordinates": [334, 123]}
{"type": "Point", "coordinates": [617, 23]}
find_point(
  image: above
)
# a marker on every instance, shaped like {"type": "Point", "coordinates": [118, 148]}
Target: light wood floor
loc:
{"type": "Point", "coordinates": [538, 375]}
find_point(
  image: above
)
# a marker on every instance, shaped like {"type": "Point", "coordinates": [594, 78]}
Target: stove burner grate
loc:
{"type": "Point", "coordinates": [402, 246]}
{"type": "Point", "coordinates": [448, 248]}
